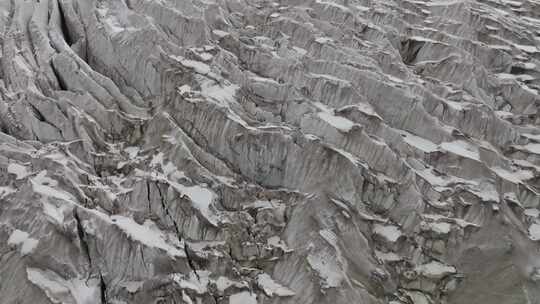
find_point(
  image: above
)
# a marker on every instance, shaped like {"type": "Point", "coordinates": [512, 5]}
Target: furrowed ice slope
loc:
{"type": "Point", "coordinates": [250, 151]}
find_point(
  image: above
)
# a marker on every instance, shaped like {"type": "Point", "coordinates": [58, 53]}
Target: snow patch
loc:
{"type": "Point", "coordinates": [132, 286]}
{"type": "Point", "coordinates": [6, 190]}
{"type": "Point", "coordinates": [515, 177]}
{"type": "Point", "coordinates": [323, 40]}
{"type": "Point", "coordinates": [53, 212]}
{"type": "Point", "coordinates": [202, 200]}
{"type": "Point", "coordinates": [19, 170]}
{"type": "Point", "coordinates": [527, 48]}
{"type": "Point", "coordinates": [438, 227]}
{"type": "Point", "coordinates": [222, 283]}
{"type": "Point", "coordinates": [534, 232]}
{"type": "Point", "coordinates": [327, 269]}
{"type": "Point", "coordinates": [198, 284]}
{"type": "Point", "coordinates": [197, 66]}
{"type": "Point", "coordinates": [387, 256]}
{"type": "Point", "coordinates": [44, 186]}
{"type": "Point", "coordinates": [59, 290]}
{"type": "Point", "coordinates": [461, 148]}
{"type": "Point", "coordinates": [389, 232]}
{"type": "Point", "coordinates": [338, 122]}
{"type": "Point", "coordinates": [532, 212]}
{"type": "Point", "coordinates": [420, 143]}
{"type": "Point", "coordinates": [220, 33]}
{"type": "Point", "coordinates": [19, 237]}
{"type": "Point", "coordinates": [147, 234]}
{"type": "Point", "coordinates": [277, 242]}
{"type": "Point", "coordinates": [132, 151]}
{"type": "Point", "coordinates": [435, 270]}
{"type": "Point", "coordinates": [271, 288]}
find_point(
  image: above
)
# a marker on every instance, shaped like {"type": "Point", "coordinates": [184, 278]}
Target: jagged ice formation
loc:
{"type": "Point", "coordinates": [251, 151]}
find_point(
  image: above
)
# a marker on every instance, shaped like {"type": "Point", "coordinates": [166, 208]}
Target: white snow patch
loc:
{"type": "Point", "coordinates": [192, 282]}
{"type": "Point", "coordinates": [201, 198]}
{"type": "Point", "coordinates": [220, 33]}
{"type": "Point", "coordinates": [515, 177]}
{"type": "Point", "coordinates": [387, 256]}
{"type": "Point", "coordinates": [505, 76]}
{"type": "Point", "coordinates": [277, 242]}
{"type": "Point", "coordinates": [460, 222]}
{"type": "Point", "coordinates": [363, 8]}
{"type": "Point", "coordinates": [340, 123]}
{"type": "Point", "coordinates": [534, 232]}
{"type": "Point", "coordinates": [6, 190]}
{"type": "Point", "coordinates": [222, 283]}
{"type": "Point", "coordinates": [323, 40]}
{"type": "Point", "coordinates": [486, 192]}
{"type": "Point", "coordinates": [438, 227]}
{"type": "Point", "coordinates": [199, 67]}
{"type": "Point", "coordinates": [58, 158]}
{"type": "Point", "coordinates": [529, 65]}
{"type": "Point", "coordinates": [264, 79]}
{"type": "Point", "coordinates": [223, 95]}
{"type": "Point", "coordinates": [132, 286]}
{"type": "Point", "coordinates": [527, 48]}
{"type": "Point", "coordinates": [463, 223]}
{"type": "Point", "coordinates": [389, 232]}
{"type": "Point", "coordinates": [418, 142]}
{"type": "Point", "coordinates": [19, 170]}
{"type": "Point", "coordinates": [435, 270]}
{"type": "Point", "coordinates": [299, 50]}
{"type": "Point", "coordinates": [365, 108]}
{"type": "Point", "coordinates": [157, 160]}
{"type": "Point", "coordinates": [504, 114]}
{"type": "Point", "coordinates": [19, 237]}
{"type": "Point", "coordinates": [59, 290]}
{"type": "Point", "coordinates": [147, 234]}
{"type": "Point", "coordinates": [500, 47]}
{"type": "Point", "coordinates": [394, 78]}
{"type": "Point", "coordinates": [439, 181]}
{"type": "Point", "coordinates": [271, 288]}
{"type": "Point", "coordinates": [184, 89]}
{"type": "Point", "coordinates": [132, 151]}
{"type": "Point", "coordinates": [461, 148]}
{"type": "Point", "coordinates": [512, 3]}
{"type": "Point", "coordinates": [532, 212]}
{"type": "Point", "coordinates": [260, 204]}
{"type": "Point", "coordinates": [327, 268]}
{"type": "Point", "coordinates": [333, 4]}
{"type": "Point", "coordinates": [53, 212]}
{"type": "Point", "coordinates": [44, 186]}
{"type": "Point", "coordinates": [458, 106]}
{"type": "Point", "coordinates": [206, 56]}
